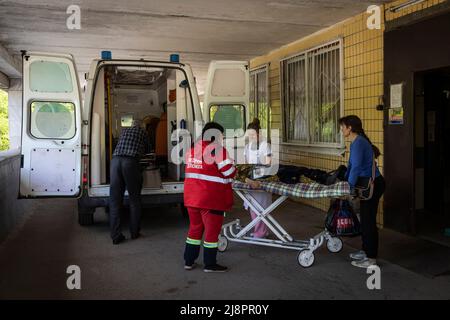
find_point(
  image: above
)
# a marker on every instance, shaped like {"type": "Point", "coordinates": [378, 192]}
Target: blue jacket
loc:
{"type": "Point", "coordinates": [360, 162]}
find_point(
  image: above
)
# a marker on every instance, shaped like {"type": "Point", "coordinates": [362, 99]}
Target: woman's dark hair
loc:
{"type": "Point", "coordinates": [355, 123]}
{"type": "Point", "coordinates": [211, 126]}
{"type": "Point", "coordinates": [255, 125]}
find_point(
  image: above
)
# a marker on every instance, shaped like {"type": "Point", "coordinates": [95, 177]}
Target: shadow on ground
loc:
{"type": "Point", "coordinates": [34, 258]}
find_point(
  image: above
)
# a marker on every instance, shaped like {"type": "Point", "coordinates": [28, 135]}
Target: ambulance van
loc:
{"type": "Point", "coordinates": [70, 129]}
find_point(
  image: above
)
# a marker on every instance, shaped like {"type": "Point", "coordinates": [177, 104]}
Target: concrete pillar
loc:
{"type": "Point", "coordinates": [15, 112]}
{"type": "Point", "coordinates": [11, 209]}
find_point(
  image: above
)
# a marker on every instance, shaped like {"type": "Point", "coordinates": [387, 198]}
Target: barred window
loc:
{"type": "Point", "coordinates": [311, 95]}
{"type": "Point", "coordinates": [259, 96]}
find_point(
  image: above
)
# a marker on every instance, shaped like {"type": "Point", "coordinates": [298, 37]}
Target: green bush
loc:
{"type": "Point", "coordinates": [4, 125]}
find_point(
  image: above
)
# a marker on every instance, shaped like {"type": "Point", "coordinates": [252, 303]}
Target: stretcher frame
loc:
{"type": "Point", "coordinates": [234, 232]}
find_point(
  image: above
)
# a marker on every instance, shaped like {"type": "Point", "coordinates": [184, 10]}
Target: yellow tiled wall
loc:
{"type": "Point", "coordinates": [363, 85]}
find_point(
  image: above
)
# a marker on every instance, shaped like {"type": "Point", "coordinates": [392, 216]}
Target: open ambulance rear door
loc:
{"type": "Point", "coordinates": [51, 127]}
{"type": "Point", "coordinates": [226, 101]}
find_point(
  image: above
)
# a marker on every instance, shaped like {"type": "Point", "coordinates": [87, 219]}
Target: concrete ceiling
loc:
{"type": "Point", "coordinates": [200, 30]}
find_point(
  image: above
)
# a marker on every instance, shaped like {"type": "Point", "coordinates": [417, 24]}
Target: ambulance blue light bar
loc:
{"type": "Point", "coordinates": [106, 55]}
{"type": "Point", "coordinates": [175, 58]}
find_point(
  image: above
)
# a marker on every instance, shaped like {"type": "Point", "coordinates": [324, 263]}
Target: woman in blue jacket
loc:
{"type": "Point", "coordinates": [360, 164]}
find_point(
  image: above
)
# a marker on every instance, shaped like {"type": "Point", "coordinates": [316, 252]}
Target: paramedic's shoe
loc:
{"type": "Point", "coordinates": [190, 266]}
{"type": "Point", "coordinates": [358, 255]}
{"type": "Point", "coordinates": [366, 263]}
{"type": "Point", "coordinates": [215, 268]}
{"type": "Point", "coordinates": [121, 238]}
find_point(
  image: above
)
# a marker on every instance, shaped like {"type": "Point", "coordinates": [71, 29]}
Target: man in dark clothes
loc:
{"type": "Point", "coordinates": [126, 174]}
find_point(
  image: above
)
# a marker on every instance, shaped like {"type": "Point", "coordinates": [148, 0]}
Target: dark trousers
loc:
{"type": "Point", "coordinates": [125, 174]}
{"type": "Point", "coordinates": [368, 214]}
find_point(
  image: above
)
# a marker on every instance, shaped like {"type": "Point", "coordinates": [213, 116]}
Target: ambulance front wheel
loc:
{"type": "Point", "coordinates": [306, 258]}
{"type": "Point", "coordinates": [223, 243]}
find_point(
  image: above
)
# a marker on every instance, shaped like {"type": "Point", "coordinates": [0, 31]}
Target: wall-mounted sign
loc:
{"type": "Point", "coordinates": [396, 105]}
{"type": "Point", "coordinates": [396, 95]}
{"type": "Point", "coordinates": [396, 116]}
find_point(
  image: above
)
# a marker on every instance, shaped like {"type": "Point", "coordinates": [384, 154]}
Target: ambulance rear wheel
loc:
{"type": "Point", "coordinates": [223, 243]}
{"type": "Point", "coordinates": [305, 258]}
{"type": "Point", "coordinates": [85, 216]}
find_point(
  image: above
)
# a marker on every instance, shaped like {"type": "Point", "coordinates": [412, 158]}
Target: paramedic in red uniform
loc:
{"type": "Point", "coordinates": [207, 194]}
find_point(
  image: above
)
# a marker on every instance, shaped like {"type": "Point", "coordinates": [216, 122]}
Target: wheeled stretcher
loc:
{"type": "Point", "coordinates": [234, 232]}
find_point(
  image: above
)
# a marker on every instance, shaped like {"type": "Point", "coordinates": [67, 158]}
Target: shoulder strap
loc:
{"type": "Point", "coordinates": [373, 168]}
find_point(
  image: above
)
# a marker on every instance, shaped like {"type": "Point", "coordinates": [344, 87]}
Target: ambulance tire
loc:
{"type": "Point", "coordinates": [85, 216]}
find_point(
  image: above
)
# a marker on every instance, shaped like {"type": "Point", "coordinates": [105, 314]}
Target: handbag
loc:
{"type": "Point", "coordinates": [341, 219]}
{"type": "Point", "coordinates": [330, 220]}
{"type": "Point", "coordinates": [364, 185]}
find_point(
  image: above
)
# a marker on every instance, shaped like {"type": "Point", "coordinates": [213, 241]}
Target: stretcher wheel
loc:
{"type": "Point", "coordinates": [334, 245]}
{"type": "Point", "coordinates": [306, 258]}
{"type": "Point", "coordinates": [223, 243]}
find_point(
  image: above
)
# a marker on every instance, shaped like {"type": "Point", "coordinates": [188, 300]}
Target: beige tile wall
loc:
{"type": "Point", "coordinates": [363, 84]}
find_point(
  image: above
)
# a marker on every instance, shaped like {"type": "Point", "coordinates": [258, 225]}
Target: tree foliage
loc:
{"type": "Point", "coordinates": [4, 125]}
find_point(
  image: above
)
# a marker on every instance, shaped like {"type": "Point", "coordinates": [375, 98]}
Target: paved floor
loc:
{"type": "Point", "coordinates": [34, 258]}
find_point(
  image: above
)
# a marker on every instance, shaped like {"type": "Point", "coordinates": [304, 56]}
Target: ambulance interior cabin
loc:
{"type": "Point", "coordinates": [123, 94]}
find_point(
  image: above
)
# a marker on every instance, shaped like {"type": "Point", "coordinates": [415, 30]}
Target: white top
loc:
{"type": "Point", "coordinates": [257, 156]}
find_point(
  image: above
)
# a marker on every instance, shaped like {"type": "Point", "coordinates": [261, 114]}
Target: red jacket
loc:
{"type": "Point", "coordinates": [208, 176]}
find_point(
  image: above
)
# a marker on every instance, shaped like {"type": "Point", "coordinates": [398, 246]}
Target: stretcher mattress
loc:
{"type": "Point", "coordinates": [300, 190]}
